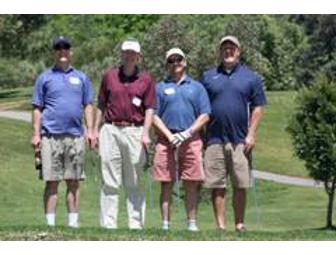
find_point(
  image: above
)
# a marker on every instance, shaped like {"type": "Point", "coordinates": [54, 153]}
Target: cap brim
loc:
{"type": "Point", "coordinates": [56, 45]}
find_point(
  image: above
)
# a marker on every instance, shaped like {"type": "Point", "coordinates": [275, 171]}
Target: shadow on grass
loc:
{"type": "Point", "coordinates": [39, 233]}
{"type": "Point", "coordinates": [332, 228]}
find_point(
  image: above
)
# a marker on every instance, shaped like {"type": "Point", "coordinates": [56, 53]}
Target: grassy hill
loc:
{"type": "Point", "coordinates": [274, 212]}
{"type": "Point", "coordinates": [273, 151]}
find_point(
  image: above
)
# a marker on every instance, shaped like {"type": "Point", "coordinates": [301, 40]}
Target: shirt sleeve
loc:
{"type": "Point", "coordinates": [258, 97]}
{"type": "Point", "coordinates": [204, 102]}
{"type": "Point", "coordinates": [158, 110]}
{"type": "Point", "coordinates": [38, 92]}
{"type": "Point", "coordinates": [149, 99]}
{"type": "Point", "coordinates": [203, 81]}
{"type": "Point", "coordinates": [102, 94]}
{"type": "Point", "coordinates": [88, 94]}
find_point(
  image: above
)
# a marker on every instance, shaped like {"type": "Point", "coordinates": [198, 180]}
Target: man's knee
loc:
{"type": "Point", "coordinates": [109, 189]}
{"type": "Point", "coordinates": [51, 187]}
{"type": "Point", "coordinates": [72, 185]}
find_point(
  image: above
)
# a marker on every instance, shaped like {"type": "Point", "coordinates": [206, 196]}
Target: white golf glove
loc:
{"type": "Point", "coordinates": [176, 142]}
{"type": "Point", "coordinates": [182, 136]}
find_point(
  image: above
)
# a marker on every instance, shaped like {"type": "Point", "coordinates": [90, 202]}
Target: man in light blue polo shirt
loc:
{"type": "Point", "coordinates": [60, 96]}
{"type": "Point", "coordinates": [182, 110]}
{"type": "Point", "coordinates": [237, 98]}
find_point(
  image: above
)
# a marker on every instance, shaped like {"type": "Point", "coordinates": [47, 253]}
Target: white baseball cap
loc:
{"type": "Point", "coordinates": [230, 38]}
{"type": "Point", "coordinates": [131, 45]}
{"type": "Point", "coordinates": [174, 51]}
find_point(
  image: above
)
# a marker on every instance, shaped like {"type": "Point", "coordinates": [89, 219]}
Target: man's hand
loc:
{"type": "Point", "coordinates": [146, 141]}
{"type": "Point", "coordinates": [175, 141]}
{"type": "Point", "coordinates": [249, 143]}
{"type": "Point", "coordinates": [91, 139]}
{"type": "Point", "coordinates": [36, 142]}
{"type": "Point", "coordinates": [178, 138]}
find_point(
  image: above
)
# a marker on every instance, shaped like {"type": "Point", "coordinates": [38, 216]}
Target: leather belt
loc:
{"type": "Point", "coordinates": [125, 124]}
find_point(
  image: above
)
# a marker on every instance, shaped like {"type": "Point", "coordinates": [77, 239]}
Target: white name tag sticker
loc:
{"type": "Point", "coordinates": [169, 91]}
{"type": "Point", "coordinates": [136, 101]}
{"type": "Point", "coordinates": [74, 80]}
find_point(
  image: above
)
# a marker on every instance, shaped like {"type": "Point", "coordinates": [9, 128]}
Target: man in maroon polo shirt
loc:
{"type": "Point", "coordinates": [126, 101]}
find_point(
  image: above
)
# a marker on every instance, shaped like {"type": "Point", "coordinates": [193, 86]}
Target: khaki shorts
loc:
{"type": "Point", "coordinates": [62, 158]}
{"type": "Point", "coordinates": [222, 160]}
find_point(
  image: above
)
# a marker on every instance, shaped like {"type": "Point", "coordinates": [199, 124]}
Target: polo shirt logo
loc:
{"type": "Point", "coordinates": [169, 91]}
{"type": "Point", "coordinates": [74, 80]}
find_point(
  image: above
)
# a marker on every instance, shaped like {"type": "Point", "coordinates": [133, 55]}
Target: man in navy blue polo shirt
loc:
{"type": "Point", "coordinates": [60, 95]}
{"type": "Point", "coordinates": [182, 110]}
{"type": "Point", "coordinates": [237, 98]}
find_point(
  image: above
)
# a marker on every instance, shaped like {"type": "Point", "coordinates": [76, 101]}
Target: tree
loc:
{"type": "Point", "coordinates": [320, 55]}
{"type": "Point", "coordinates": [313, 132]}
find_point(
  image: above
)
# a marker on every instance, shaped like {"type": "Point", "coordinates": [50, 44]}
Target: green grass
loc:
{"type": "Point", "coordinates": [274, 150]}
{"type": "Point", "coordinates": [19, 98]}
{"type": "Point", "coordinates": [38, 233]}
{"type": "Point", "coordinates": [284, 212]}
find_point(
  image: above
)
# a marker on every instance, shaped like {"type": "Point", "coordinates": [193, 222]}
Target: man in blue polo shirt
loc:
{"type": "Point", "coordinates": [182, 110]}
{"type": "Point", "coordinates": [60, 95]}
{"type": "Point", "coordinates": [237, 98]}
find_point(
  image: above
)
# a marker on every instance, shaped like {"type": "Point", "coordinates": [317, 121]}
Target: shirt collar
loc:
{"type": "Point", "coordinates": [57, 69]}
{"type": "Point", "coordinates": [131, 78]}
{"type": "Point", "coordinates": [185, 79]}
{"type": "Point", "coordinates": [221, 69]}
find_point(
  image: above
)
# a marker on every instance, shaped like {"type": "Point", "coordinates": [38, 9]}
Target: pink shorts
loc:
{"type": "Point", "coordinates": [190, 163]}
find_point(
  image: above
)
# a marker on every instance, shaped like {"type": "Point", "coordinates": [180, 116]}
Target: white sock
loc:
{"type": "Point", "coordinates": [73, 220]}
{"type": "Point", "coordinates": [192, 225]}
{"type": "Point", "coordinates": [165, 224]}
{"type": "Point", "coordinates": [50, 219]}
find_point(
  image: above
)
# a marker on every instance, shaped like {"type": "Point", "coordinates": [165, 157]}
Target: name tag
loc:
{"type": "Point", "coordinates": [136, 101]}
{"type": "Point", "coordinates": [169, 91]}
{"type": "Point", "coordinates": [74, 80]}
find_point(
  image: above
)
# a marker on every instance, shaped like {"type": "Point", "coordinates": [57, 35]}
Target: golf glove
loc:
{"type": "Point", "coordinates": [176, 142]}
{"type": "Point", "coordinates": [183, 136]}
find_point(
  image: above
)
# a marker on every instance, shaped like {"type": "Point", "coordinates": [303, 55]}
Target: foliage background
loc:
{"type": "Point", "coordinates": [287, 50]}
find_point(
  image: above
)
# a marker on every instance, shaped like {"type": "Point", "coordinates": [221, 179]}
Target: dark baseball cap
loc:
{"type": "Point", "coordinates": [61, 41]}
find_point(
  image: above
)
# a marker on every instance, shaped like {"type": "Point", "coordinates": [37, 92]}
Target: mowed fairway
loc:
{"type": "Point", "coordinates": [274, 212]}
{"type": "Point", "coordinates": [274, 149]}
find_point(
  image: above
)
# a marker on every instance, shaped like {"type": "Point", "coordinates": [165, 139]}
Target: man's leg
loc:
{"type": "Point", "coordinates": [111, 166]}
{"type": "Point", "coordinates": [164, 171]}
{"type": "Point", "coordinates": [218, 203]}
{"type": "Point", "coordinates": [191, 199]}
{"type": "Point", "coordinates": [239, 203]}
{"type": "Point", "coordinates": [165, 202]}
{"type": "Point", "coordinates": [215, 178]}
{"type": "Point", "coordinates": [241, 182]}
{"type": "Point", "coordinates": [134, 159]}
{"type": "Point", "coordinates": [50, 201]}
{"type": "Point", "coordinates": [72, 198]}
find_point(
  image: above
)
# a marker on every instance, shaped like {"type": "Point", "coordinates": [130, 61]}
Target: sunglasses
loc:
{"type": "Point", "coordinates": [177, 59]}
{"type": "Point", "coordinates": [62, 47]}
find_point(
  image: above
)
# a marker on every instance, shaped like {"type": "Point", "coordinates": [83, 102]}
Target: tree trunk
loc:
{"type": "Point", "coordinates": [330, 192]}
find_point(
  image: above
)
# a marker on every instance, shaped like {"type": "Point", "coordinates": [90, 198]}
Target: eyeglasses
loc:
{"type": "Point", "coordinates": [62, 47]}
{"type": "Point", "coordinates": [177, 59]}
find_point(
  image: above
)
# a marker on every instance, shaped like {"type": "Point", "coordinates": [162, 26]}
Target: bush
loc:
{"type": "Point", "coordinates": [15, 73]}
{"type": "Point", "coordinates": [313, 131]}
